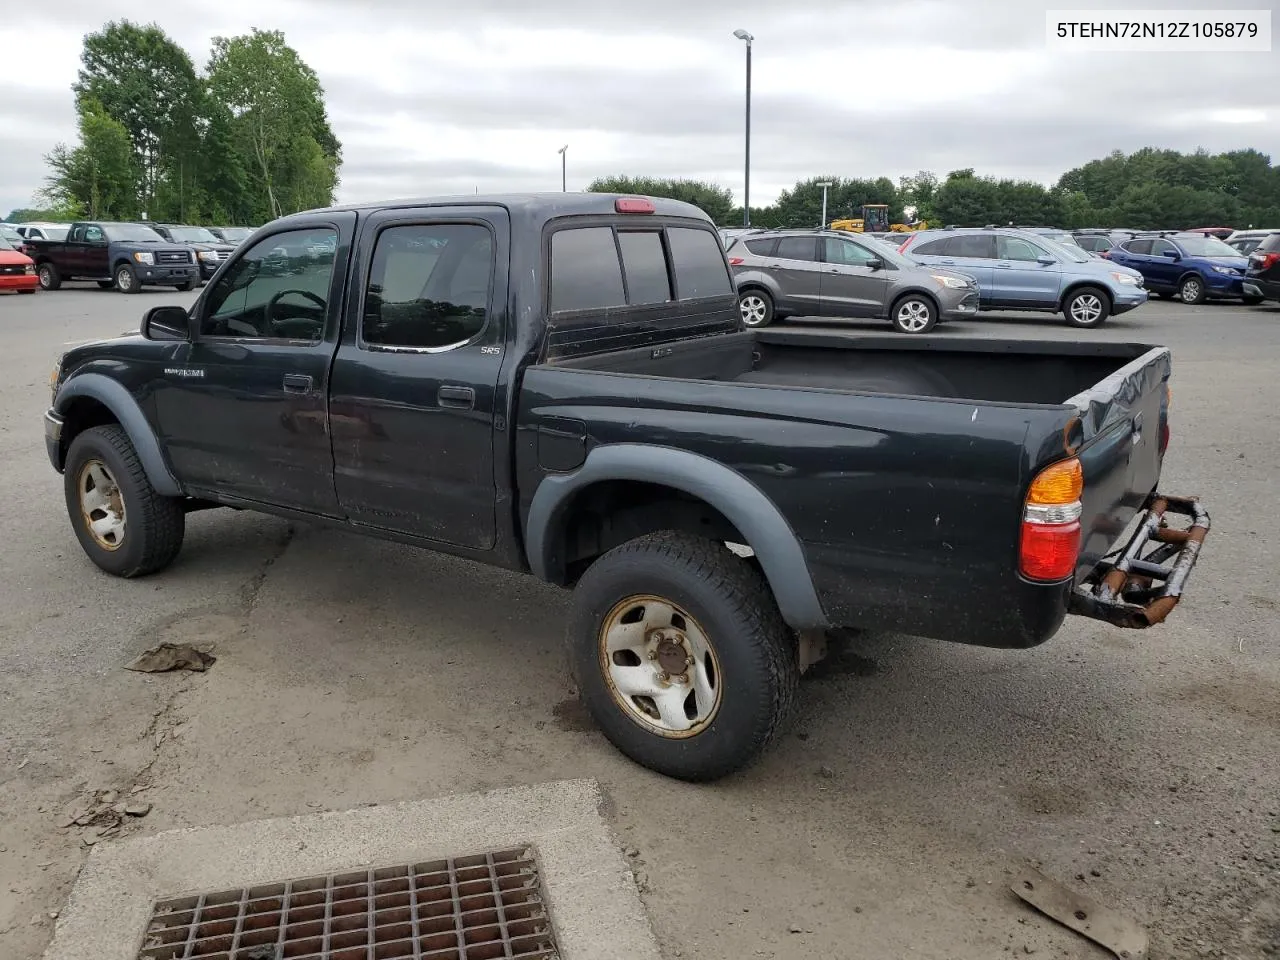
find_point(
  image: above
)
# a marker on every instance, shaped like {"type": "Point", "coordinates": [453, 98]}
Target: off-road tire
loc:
{"type": "Point", "coordinates": [154, 524]}
{"type": "Point", "coordinates": [732, 603]}
{"type": "Point", "coordinates": [50, 279]}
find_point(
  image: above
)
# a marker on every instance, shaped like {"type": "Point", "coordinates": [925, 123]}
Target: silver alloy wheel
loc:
{"type": "Point", "coordinates": [124, 279]}
{"type": "Point", "coordinates": [101, 504]}
{"type": "Point", "coordinates": [1086, 309]}
{"type": "Point", "coordinates": [660, 666]}
{"type": "Point", "coordinates": [46, 275]}
{"type": "Point", "coordinates": [1190, 290]}
{"type": "Point", "coordinates": [754, 310]}
{"type": "Point", "coordinates": [913, 316]}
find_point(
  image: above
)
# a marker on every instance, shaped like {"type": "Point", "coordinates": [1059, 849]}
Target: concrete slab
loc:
{"type": "Point", "coordinates": [591, 894]}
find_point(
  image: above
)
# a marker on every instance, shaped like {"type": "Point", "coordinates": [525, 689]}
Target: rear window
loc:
{"type": "Point", "coordinates": [585, 271]}
{"type": "Point", "coordinates": [1271, 244]}
{"type": "Point", "coordinates": [646, 267]}
{"type": "Point", "coordinates": [761, 248]}
{"type": "Point", "coordinates": [699, 264]}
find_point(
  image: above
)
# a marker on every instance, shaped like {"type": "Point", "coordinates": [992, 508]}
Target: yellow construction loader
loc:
{"type": "Point", "coordinates": [875, 219]}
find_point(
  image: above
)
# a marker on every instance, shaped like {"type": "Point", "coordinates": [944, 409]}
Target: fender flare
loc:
{"type": "Point", "coordinates": [768, 533]}
{"type": "Point", "coordinates": [116, 398]}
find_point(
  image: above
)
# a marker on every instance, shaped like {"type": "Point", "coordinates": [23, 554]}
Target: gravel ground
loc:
{"type": "Point", "coordinates": [1140, 768]}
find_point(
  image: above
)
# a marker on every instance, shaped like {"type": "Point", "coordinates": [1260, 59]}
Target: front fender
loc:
{"type": "Point", "coordinates": [767, 532]}
{"type": "Point", "coordinates": [116, 398]}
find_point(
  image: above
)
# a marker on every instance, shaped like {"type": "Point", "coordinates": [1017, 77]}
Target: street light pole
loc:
{"type": "Point", "coordinates": [746, 179]}
{"type": "Point", "coordinates": [824, 184]}
{"type": "Point", "coordinates": [564, 168]}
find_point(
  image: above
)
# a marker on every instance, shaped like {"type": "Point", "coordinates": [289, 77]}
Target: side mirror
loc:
{"type": "Point", "coordinates": [166, 323]}
{"type": "Point", "coordinates": [1173, 254]}
{"type": "Point", "coordinates": [875, 263]}
{"type": "Point", "coordinates": [1045, 261]}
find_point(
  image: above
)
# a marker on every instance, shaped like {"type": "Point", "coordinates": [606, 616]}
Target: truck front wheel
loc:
{"type": "Point", "coordinates": [123, 524]}
{"type": "Point", "coordinates": [126, 279]}
{"type": "Point", "coordinates": [50, 279]}
{"type": "Point", "coordinates": [681, 655]}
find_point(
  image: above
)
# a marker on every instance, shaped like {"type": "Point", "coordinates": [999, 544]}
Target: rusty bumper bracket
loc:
{"type": "Point", "coordinates": [1141, 584]}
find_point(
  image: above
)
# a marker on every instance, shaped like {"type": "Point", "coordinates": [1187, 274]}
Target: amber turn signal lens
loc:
{"type": "Point", "coordinates": [1058, 483]}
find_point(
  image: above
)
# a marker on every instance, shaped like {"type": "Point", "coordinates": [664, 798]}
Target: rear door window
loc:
{"type": "Point", "coordinates": [586, 273]}
{"type": "Point", "coordinates": [975, 246]}
{"type": "Point", "coordinates": [798, 248]}
{"type": "Point", "coordinates": [1140, 247]}
{"type": "Point", "coordinates": [700, 267]}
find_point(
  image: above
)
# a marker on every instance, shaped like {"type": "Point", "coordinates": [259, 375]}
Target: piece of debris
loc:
{"type": "Point", "coordinates": [265, 951]}
{"type": "Point", "coordinates": [173, 656]}
{"type": "Point", "coordinates": [1104, 926]}
{"type": "Point", "coordinates": [632, 852]}
{"type": "Point", "coordinates": [137, 809]}
{"type": "Point", "coordinates": [795, 928]}
{"type": "Point", "coordinates": [826, 772]}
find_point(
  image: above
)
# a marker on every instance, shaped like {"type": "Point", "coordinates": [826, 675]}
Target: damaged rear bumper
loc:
{"type": "Point", "coordinates": [1140, 584]}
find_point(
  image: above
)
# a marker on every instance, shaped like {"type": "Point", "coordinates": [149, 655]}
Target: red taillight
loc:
{"type": "Point", "coordinates": [1049, 543]}
{"type": "Point", "coordinates": [905, 243]}
{"type": "Point", "coordinates": [1269, 260]}
{"type": "Point", "coordinates": [1048, 552]}
{"type": "Point", "coordinates": [736, 261]}
{"type": "Point", "coordinates": [633, 205]}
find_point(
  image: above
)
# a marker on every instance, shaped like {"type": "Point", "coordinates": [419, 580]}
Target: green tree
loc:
{"type": "Point", "coordinates": [919, 191]}
{"type": "Point", "coordinates": [801, 206]}
{"type": "Point", "coordinates": [99, 175]}
{"type": "Point", "coordinates": [147, 83]}
{"type": "Point", "coordinates": [715, 201]}
{"type": "Point", "coordinates": [278, 118]}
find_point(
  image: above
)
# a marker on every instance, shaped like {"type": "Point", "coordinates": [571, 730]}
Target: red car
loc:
{"type": "Point", "coordinates": [17, 270]}
{"type": "Point", "coordinates": [1220, 232]}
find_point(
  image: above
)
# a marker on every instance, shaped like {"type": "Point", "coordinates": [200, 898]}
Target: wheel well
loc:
{"type": "Point", "coordinates": [608, 514]}
{"type": "Point", "coordinates": [1082, 284]}
{"type": "Point", "coordinates": [755, 286]}
{"type": "Point", "coordinates": [1190, 273]}
{"type": "Point", "coordinates": [81, 414]}
{"type": "Point", "coordinates": [923, 294]}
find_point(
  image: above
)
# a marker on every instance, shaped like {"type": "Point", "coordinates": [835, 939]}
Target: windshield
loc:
{"type": "Point", "coordinates": [1206, 247]}
{"type": "Point", "coordinates": [236, 234]}
{"type": "Point", "coordinates": [4, 243]}
{"type": "Point", "coordinates": [193, 235]}
{"type": "Point", "coordinates": [131, 231]}
{"type": "Point", "coordinates": [1072, 251]}
{"type": "Point", "coordinates": [9, 233]}
{"type": "Point", "coordinates": [1066, 239]}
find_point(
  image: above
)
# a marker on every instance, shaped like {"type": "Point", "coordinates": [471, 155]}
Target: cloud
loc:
{"type": "Point", "coordinates": [429, 98]}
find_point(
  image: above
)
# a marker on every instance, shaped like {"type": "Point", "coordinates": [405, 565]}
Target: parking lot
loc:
{"type": "Point", "coordinates": [1139, 767]}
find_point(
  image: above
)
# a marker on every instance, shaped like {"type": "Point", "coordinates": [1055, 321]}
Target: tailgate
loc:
{"type": "Point", "coordinates": [1122, 433]}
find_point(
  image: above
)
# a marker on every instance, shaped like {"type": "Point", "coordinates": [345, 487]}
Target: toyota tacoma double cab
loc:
{"type": "Point", "coordinates": [562, 385]}
{"type": "Point", "coordinates": [127, 256]}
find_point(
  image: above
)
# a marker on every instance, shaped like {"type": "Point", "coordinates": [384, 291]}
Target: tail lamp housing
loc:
{"type": "Point", "coordinates": [1049, 541]}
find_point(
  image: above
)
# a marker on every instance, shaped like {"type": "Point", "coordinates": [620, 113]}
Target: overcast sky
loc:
{"type": "Point", "coordinates": [434, 97]}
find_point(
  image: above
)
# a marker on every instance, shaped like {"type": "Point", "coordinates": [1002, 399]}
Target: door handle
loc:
{"type": "Point", "coordinates": [451, 395]}
{"type": "Point", "coordinates": [297, 383]}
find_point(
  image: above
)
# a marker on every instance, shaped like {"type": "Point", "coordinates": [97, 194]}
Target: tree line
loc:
{"type": "Point", "coordinates": [241, 142]}
{"type": "Point", "coordinates": [1149, 189]}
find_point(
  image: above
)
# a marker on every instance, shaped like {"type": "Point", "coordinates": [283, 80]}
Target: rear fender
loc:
{"type": "Point", "coordinates": [120, 402]}
{"type": "Point", "coordinates": [741, 502]}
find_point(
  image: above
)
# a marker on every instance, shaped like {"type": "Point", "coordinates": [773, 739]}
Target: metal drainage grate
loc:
{"type": "Point", "coordinates": [482, 907]}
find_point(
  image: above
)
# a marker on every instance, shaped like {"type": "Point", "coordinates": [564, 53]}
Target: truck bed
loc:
{"type": "Point", "coordinates": [995, 371]}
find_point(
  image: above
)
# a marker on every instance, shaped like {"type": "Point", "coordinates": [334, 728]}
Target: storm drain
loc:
{"type": "Point", "coordinates": [479, 907]}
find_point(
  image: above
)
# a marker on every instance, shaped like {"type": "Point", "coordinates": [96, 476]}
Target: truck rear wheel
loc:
{"type": "Point", "coordinates": [123, 524]}
{"type": "Point", "coordinates": [681, 655]}
{"type": "Point", "coordinates": [50, 279]}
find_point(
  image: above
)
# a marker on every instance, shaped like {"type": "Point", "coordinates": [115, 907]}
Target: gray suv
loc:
{"type": "Point", "coordinates": [827, 273]}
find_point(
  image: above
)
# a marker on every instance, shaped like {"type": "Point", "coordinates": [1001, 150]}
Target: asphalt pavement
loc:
{"type": "Point", "coordinates": [1140, 768]}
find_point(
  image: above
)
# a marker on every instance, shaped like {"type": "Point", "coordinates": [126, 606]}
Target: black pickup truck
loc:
{"type": "Point", "coordinates": [127, 256]}
{"type": "Point", "coordinates": [561, 385]}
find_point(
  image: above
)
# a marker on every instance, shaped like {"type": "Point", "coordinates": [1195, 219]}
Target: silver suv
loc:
{"type": "Point", "coordinates": [828, 273]}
